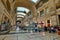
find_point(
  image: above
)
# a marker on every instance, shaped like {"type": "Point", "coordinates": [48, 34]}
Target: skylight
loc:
{"type": "Point", "coordinates": [22, 9]}
{"type": "Point", "coordinates": [20, 13]}
{"type": "Point", "coordinates": [20, 16]}
{"type": "Point", "coordinates": [34, 1]}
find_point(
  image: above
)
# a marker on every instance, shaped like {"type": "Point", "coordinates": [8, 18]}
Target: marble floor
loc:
{"type": "Point", "coordinates": [30, 36]}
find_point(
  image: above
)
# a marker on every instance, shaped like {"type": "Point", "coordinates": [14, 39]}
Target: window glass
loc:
{"type": "Point", "coordinates": [34, 1]}
{"type": "Point", "coordinates": [42, 13]}
{"type": "Point", "coordinates": [47, 10]}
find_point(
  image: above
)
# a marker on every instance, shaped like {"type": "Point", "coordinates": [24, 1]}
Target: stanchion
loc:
{"type": "Point", "coordinates": [31, 32]}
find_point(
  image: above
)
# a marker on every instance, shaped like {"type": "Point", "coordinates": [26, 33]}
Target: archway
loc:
{"type": "Point", "coordinates": [29, 5]}
{"type": "Point", "coordinates": [22, 3]}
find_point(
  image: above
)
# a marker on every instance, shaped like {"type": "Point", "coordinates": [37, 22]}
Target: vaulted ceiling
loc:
{"type": "Point", "coordinates": [25, 3]}
{"type": "Point", "coordinates": [20, 3]}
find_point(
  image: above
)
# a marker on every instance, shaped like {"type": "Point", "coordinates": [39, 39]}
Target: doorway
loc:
{"type": "Point", "coordinates": [59, 18]}
{"type": "Point", "coordinates": [48, 23]}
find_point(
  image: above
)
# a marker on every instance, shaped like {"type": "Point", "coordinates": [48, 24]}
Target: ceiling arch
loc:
{"type": "Point", "coordinates": [25, 3]}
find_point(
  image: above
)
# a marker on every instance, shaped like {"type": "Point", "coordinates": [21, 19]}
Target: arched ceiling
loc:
{"type": "Point", "coordinates": [25, 3]}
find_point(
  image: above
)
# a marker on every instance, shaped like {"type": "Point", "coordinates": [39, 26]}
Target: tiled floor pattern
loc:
{"type": "Point", "coordinates": [30, 36]}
